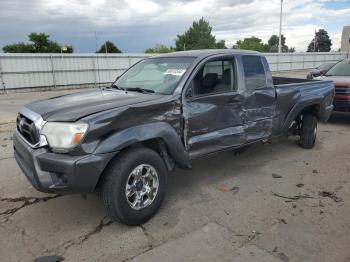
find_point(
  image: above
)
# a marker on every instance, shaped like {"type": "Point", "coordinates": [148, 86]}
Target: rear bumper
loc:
{"type": "Point", "coordinates": [59, 173]}
{"type": "Point", "coordinates": [341, 105]}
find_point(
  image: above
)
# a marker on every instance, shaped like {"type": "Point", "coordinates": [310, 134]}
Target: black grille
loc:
{"type": "Point", "coordinates": [342, 90]}
{"type": "Point", "coordinates": [27, 129]}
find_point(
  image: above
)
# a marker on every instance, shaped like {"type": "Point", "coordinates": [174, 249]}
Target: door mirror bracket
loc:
{"type": "Point", "coordinates": [189, 93]}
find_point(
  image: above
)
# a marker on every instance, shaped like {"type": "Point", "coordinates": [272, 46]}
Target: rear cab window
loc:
{"type": "Point", "coordinates": [254, 72]}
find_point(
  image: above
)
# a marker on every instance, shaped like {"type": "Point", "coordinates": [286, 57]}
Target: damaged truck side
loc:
{"type": "Point", "coordinates": [162, 112]}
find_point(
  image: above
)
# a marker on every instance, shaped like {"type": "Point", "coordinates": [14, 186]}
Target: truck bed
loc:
{"type": "Point", "coordinates": [292, 93]}
{"type": "Point", "coordinates": [281, 81]}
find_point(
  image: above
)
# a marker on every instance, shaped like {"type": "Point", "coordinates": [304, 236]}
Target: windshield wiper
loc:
{"type": "Point", "coordinates": [140, 90]}
{"type": "Point", "coordinates": [117, 87]}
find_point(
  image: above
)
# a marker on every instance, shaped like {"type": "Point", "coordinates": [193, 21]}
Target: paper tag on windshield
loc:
{"type": "Point", "coordinates": [175, 72]}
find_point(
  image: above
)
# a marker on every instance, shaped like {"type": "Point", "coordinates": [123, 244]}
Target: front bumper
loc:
{"type": "Point", "coordinates": [59, 173]}
{"type": "Point", "coordinates": [341, 105]}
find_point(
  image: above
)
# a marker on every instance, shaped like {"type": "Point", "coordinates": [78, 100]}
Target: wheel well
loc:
{"type": "Point", "coordinates": [153, 144]}
{"type": "Point", "coordinates": [294, 128]}
{"type": "Point", "coordinates": [159, 145]}
{"type": "Point", "coordinates": [312, 109]}
{"type": "Point", "coordinates": [156, 144]}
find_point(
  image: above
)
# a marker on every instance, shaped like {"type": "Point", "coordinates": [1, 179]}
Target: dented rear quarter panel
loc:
{"type": "Point", "coordinates": [293, 98]}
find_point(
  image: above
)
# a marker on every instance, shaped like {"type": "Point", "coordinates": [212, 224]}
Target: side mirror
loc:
{"type": "Point", "coordinates": [323, 72]}
{"type": "Point", "coordinates": [316, 72]}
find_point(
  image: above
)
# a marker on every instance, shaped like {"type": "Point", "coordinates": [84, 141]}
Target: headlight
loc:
{"type": "Point", "coordinates": [64, 136]}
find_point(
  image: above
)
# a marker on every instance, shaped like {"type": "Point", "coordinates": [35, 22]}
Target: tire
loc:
{"type": "Point", "coordinates": [124, 169]}
{"type": "Point", "coordinates": [308, 131]}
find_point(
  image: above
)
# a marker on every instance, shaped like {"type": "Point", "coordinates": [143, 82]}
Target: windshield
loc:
{"type": "Point", "coordinates": [340, 69]}
{"type": "Point", "coordinates": [325, 66]}
{"type": "Point", "coordinates": [155, 75]}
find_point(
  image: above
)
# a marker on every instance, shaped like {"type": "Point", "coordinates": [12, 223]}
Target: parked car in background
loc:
{"type": "Point", "coordinates": [320, 70]}
{"type": "Point", "coordinates": [340, 75]}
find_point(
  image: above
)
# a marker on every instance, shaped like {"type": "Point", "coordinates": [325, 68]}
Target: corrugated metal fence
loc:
{"type": "Point", "coordinates": [296, 61]}
{"type": "Point", "coordinates": [67, 70]}
{"type": "Point", "coordinates": [73, 70]}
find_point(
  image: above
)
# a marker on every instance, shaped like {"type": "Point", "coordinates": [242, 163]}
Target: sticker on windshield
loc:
{"type": "Point", "coordinates": [175, 72]}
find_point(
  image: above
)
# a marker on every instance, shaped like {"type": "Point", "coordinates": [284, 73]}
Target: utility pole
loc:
{"type": "Point", "coordinates": [280, 37]}
{"type": "Point", "coordinates": [95, 42]}
{"type": "Point", "coordinates": [347, 55]}
{"type": "Point", "coordinates": [2, 82]}
{"type": "Point", "coordinates": [98, 67]}
{"type": "Point", "coordinates": [315, 42]}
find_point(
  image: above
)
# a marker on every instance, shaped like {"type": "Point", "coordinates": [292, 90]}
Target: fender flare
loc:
{"type": "Point", "coordinates": [140, 133]}
{"type": "Point", "coordinates": [299, 107]}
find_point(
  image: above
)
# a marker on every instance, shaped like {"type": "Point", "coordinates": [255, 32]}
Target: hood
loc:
{"type": "Point", "coordinates": [74, 106]}
{"type": "Point", "coordinates": [337, 80]}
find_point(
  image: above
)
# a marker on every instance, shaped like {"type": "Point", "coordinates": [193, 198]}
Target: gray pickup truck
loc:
{"type": "Point", "coordinates": [163, 112]}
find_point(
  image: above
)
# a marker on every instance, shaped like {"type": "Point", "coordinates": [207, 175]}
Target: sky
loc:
{"type": "Point", "coordinates": [135, 25]}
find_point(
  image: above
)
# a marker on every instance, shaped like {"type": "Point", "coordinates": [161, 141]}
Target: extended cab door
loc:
{"type": "Point", "coordinates": [259, 98]}
{"type": "Point", "coordinates": [212, 108]}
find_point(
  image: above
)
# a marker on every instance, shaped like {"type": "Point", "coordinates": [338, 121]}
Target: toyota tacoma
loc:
{"type": "Point", "coordinates": [161, 113]}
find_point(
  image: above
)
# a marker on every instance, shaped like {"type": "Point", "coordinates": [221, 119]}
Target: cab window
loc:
{"type": "Point", "coordinates": [216, 76]}
{"type": "Point", "coordinates": [254, 72]}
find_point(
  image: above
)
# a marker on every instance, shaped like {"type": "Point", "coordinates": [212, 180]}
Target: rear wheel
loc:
{"type": "Point", "coordinates": [308, 131]}
{"type": "Point", "coordinates": [134, 186]}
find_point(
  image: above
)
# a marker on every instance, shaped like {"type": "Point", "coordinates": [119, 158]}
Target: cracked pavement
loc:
{"type": "Point", "coordinates": [292, 205]}
{"type": "Point", "coordinates": [25, 201]}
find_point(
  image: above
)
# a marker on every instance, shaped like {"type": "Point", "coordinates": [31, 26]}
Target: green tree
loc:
{"type": "Point", "coordinates": [111, 48]}
{"type": "Point", "coordinates": [18, 48]}
{"type": "Point", "coordinates": [69, 49]}
{"type": "Point", "coordinates": [221, 44]}
{"type": "Point", "coordinates": [39, 43]}
{"type": "Point", "coordinates": [198, 36]}
{"type": "Point", "coordinates": [323, 42]}
{"type": "Point", "coordinates": [251, 43]}
{"type": "Point", "coordinates": [159, 49]}
{"type": "Point", "coordinates": [273, 43]}
{"type": "Point", "coordinates": [291, 50]}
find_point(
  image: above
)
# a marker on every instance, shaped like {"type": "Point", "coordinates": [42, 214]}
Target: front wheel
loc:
{"type": "Point", "coordinates": [308, 131]}
{"type": "Point", "coordinates": [134, 186]}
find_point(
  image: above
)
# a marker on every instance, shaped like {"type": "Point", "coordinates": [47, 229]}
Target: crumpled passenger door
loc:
{"type": "Point", "coordinates": [259, 99]}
